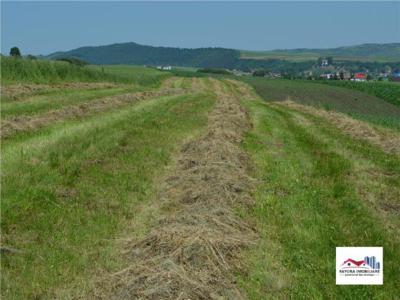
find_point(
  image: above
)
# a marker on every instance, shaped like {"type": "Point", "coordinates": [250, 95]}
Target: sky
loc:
{"type": "Point", "coordinates": [46, 27]}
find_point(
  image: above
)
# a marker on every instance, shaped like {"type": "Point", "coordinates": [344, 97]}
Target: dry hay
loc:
{"type": "Point", "coordinates": [28, 123]}
{"type": "Point", "coordinates": [244, 89]}
{"type": "Point", "coordinates": [169, 82]}
{"type": "Point", "coordinates": [17, 91]}
{"type": "Point", "coordinates": [194, 249]}
{"type": "Point", "coordinates": [386, 139]}
{"type": "Point", "coordinates": [199, 84]}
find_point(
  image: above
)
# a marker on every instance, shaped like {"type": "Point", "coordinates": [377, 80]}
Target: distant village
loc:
{"type": "Point", "coordinates": [324, 69]}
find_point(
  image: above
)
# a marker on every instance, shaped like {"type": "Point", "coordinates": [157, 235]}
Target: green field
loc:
{"type": "Point", "coordinates": [316, 193]}
{"type": "Point", "coordinates": [388, 91]}
{"type": "Point", "coordinates": [360, 101]}
{"type": "Point", "coordinates": [44, 72]}
{"type": "Point", "coordinates": [127, 182]}
{"type": "Point", "coordinates": [300, 57]}
{"type": "Point", "coordinates": [140, 75]}
{"type": "Point", "coordinates": [365, 53]}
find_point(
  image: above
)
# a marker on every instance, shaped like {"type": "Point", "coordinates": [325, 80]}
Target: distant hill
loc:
{"type": "Point", "coordinates": [135, 54]}
{"type": "Point", "coordinates": [357, 57]}
{"type": "Point", "coordinates": [364, 52]}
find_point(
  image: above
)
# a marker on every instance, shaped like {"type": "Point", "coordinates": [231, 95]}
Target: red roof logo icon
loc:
{"type": "Point", "coordinates": [350, 262]}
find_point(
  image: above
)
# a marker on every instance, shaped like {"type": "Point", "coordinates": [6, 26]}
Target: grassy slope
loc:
{"type": "Point", "coordinates": [353, 102]}
{"type": "Point", "coordinates": [47, 72]}
{"type": "Point", "coordinates": [319, 189]}
{"type": "Point", "coordinates": [139, 75]}
{"type": "Point", "coordinates": [71, 187]}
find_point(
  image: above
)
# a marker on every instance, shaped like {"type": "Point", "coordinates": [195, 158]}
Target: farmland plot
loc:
{"type": "Point", "coordinates": [177, 188]}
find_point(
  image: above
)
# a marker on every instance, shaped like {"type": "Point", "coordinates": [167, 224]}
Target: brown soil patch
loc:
{"type": "Point", "coordinates": [28, 123]}
{"type": "Point", "coordinates": [193, 250]}
{"type": "Point", "coordinates": [18, 91]}
{"type": "Point", "coordinates": [386, 139]}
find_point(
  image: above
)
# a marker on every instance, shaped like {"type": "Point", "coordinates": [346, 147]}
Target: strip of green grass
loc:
{"type": "Point", "coordinates": [307, 205]}
{"type": "Point", "coordinates": [139, 75]}
{"type": "Point", "coordinates": [43, 103]}
{"type": "Point", "coordinates": [67, 192]}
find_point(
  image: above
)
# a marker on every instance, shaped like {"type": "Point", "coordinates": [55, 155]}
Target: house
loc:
{"type": "Point", "coordinates": [164, 68]}
{"type": "Point", "coordinates": [327, 76]}
{"type": "Point", "coordinates": [324, 63]}
{"type": "Point", "coordinates": [359, 77]}
{"type": "Point", "coordinates": [343, 74]}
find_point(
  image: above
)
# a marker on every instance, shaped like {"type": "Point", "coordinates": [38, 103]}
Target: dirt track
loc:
{"type": "Point", "coordinates": [193, 250]}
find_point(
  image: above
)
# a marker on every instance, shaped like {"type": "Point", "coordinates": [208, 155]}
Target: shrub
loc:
{"type": "Point", "coordinates": [214, 71]}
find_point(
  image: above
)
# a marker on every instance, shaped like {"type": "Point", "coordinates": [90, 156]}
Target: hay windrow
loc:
{"type": "Point", "coordinates": [193, 249]}
{"type": "Point", "coordinates": [386, 139]}
{"type": "Point", "coordinates": [14, 125]}
{"type": "Point", "coordinates": [18, 91]}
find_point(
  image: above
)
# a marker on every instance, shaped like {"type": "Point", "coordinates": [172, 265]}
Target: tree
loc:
{"type": "Point", "coordinates": [330, 60]}
{"type": "Point", "coordinates": [73, 61]}
{"type": "Point", "coordinates": [14, 51]}
{"type": "Point", "coordinates": [31, 57]}
{"type": "Point", "coordinates": [259, 73]}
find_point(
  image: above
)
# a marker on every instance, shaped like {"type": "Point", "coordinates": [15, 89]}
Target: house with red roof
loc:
{"type": "Point", "coordinates": [359, 77]}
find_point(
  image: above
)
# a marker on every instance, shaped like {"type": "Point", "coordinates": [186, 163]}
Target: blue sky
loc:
{"type": "Point", "coordinates": [45, 27]}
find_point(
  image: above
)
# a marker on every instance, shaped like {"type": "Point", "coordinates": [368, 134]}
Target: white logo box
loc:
{"type": "Point", "coordinates": [359, 265]}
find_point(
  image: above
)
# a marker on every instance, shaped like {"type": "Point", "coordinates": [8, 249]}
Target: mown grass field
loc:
{"type": "Point", "coordinates": [69, 188]}
{"type": "Point", "coordinates": [80, 184]}
{"type": "Point", "coordinates": [320, 189]}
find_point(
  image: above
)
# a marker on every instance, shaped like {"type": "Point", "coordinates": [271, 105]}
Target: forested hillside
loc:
{"type": "Point", "coordinates": [135, 54]}
{"type": "Point", "coordinates": [287, 61]}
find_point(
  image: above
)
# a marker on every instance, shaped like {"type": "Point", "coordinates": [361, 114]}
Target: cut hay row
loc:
{"type": "Point", "coordinates": [386, 139]}
{"type": "Point", "coordinates": [193, 250]}
{"type": "Point", "coordinates": [17, 92]}
{"type": "Point", "coordinates": [10, 127]}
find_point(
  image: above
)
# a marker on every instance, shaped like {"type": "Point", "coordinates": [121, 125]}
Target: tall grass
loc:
{"type": "Point", "coordinates": [139, 75]}
{"type": "Point", "coordinates": [20, 70]}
